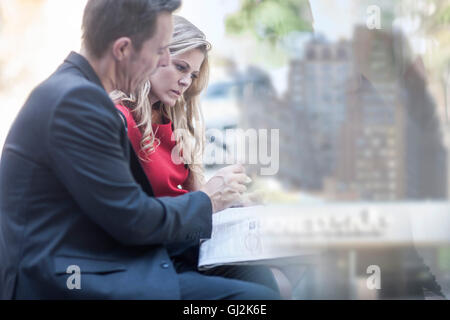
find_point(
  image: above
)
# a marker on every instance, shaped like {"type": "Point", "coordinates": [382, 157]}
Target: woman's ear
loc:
{"type": "Point", "coordinates": [122, 48]}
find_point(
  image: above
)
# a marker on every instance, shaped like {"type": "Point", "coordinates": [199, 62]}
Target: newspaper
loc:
{"type": "Point", "coordinates": [239, 237]}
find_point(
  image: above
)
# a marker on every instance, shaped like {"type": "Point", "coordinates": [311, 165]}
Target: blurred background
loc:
{"type": "Point", "coordinates": [359, 91]}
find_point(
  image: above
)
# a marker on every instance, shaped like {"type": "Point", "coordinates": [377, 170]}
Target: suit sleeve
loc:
{"type": "Point", "coordinates": [87, 155]}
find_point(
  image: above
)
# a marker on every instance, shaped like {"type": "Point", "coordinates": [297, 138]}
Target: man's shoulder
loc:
{"type": "Point", "coordinates": [68, 82]}
{"type": "Point", "coordinates": [68, 88]}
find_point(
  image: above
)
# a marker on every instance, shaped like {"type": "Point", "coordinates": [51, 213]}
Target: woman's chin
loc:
{"type": "Point", "coordinates": [170, 102]}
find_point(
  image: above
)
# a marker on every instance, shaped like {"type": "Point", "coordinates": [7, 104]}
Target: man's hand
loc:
{"type": "Point", "coordinates": [226, 187]}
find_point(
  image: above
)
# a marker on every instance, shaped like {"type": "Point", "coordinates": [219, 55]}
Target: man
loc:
{"type": "Point", "coordinates": [74, 223]}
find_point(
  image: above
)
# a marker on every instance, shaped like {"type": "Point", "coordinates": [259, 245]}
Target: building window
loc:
{"type": "Point", "coordinates": [311, 54]}
{"type": "Point", "coordinates": [326, 54]}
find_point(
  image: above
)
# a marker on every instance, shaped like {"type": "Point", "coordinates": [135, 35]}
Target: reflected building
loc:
{"type": "Point", "coordinates": [262, 109]}
{"type": "Point", "coordinates": [391, 138]}
{"type": "Point", "coordinates": [356, 123]}
{"type": "Point", "coordinates": [317, 106]}
{"type": "Point", "coordinates": [371, 141]}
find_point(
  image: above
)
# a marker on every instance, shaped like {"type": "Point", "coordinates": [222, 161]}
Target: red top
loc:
{"type": "Point", "coordinates": [165, 177]}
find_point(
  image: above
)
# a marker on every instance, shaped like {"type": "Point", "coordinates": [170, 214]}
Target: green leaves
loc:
{"type": "Point", "coordinates": [270, 20]}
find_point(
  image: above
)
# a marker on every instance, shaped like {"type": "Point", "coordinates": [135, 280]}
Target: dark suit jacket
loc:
{"type": "Point", "coordinates": [68, 197]}
{"type": "Point", "coordinates": [183, 254]}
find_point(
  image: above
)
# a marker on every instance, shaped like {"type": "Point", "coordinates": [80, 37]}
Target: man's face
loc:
{"type": "Point", "coordinates": [153, 54]}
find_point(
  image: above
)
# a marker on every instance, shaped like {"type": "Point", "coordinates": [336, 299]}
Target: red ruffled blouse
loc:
{"type": "Point", "coordinates": [166, 177]}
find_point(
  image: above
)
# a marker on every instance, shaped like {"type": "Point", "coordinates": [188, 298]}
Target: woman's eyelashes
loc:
{"type": "Point", "coordinates": [184, 69]}
{"type": "Point", "coordinates": [180, 67]}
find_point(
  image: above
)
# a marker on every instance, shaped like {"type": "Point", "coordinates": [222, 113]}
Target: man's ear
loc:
{"type": "Point", "coordinates": [122, 48]}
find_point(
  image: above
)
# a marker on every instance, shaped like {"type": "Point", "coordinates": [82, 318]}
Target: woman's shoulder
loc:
{"type": "Point", "coordinates": [126, 113]}
{"type": "Point", "coordinates": [123, 109]}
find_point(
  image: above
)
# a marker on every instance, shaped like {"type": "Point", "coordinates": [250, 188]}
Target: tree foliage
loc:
{"type": "Point", "coordinates": [270, 20]}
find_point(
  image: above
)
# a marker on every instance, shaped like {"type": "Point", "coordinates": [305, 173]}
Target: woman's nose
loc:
{"type": "Point", "coordinates": [184, 81]}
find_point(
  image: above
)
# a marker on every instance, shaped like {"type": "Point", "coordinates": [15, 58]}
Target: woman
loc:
{"type": "Point", "coordinates": [166, 107]}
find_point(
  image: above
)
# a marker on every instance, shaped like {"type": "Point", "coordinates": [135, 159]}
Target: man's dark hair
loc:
{"type": "Point", "coordinates": [104, 21]}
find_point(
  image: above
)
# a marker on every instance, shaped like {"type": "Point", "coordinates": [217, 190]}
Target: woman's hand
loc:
{"type": "Point", "coordinates": [194, 182]}
{"type": "Point", "coordinates": [255, 198]}
{"type": "Point", "coordinates": [226, 187]}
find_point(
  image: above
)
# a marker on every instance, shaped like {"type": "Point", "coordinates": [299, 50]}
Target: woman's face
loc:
{"type": "Point", "coordinates": [169, 83]}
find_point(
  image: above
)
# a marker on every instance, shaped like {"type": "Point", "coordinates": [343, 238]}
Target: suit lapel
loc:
{"type": "Point", "coordinates": [135, 165]}
{"type": "Point", "coordinates": [138, 173]}
{"type": "Point", "coordinates": [81, 63]}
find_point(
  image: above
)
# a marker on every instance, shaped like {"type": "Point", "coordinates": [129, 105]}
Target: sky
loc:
{"type": "Point", "coordinates": [325, 13]}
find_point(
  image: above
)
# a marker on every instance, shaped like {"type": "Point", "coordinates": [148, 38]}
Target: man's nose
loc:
{"type": "Point", "coordinates": [165, 59]}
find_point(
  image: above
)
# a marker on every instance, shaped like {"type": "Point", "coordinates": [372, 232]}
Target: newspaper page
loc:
{"type": "Point", "coordinates": [238, 237]}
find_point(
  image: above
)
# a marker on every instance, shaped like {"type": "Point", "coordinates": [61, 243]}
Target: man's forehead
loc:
{"type": "Point", "coordinates": [164, 27]}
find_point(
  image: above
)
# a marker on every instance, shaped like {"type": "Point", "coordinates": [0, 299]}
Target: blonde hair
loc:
{"type": "Point", "coordinates": [186, 115]}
